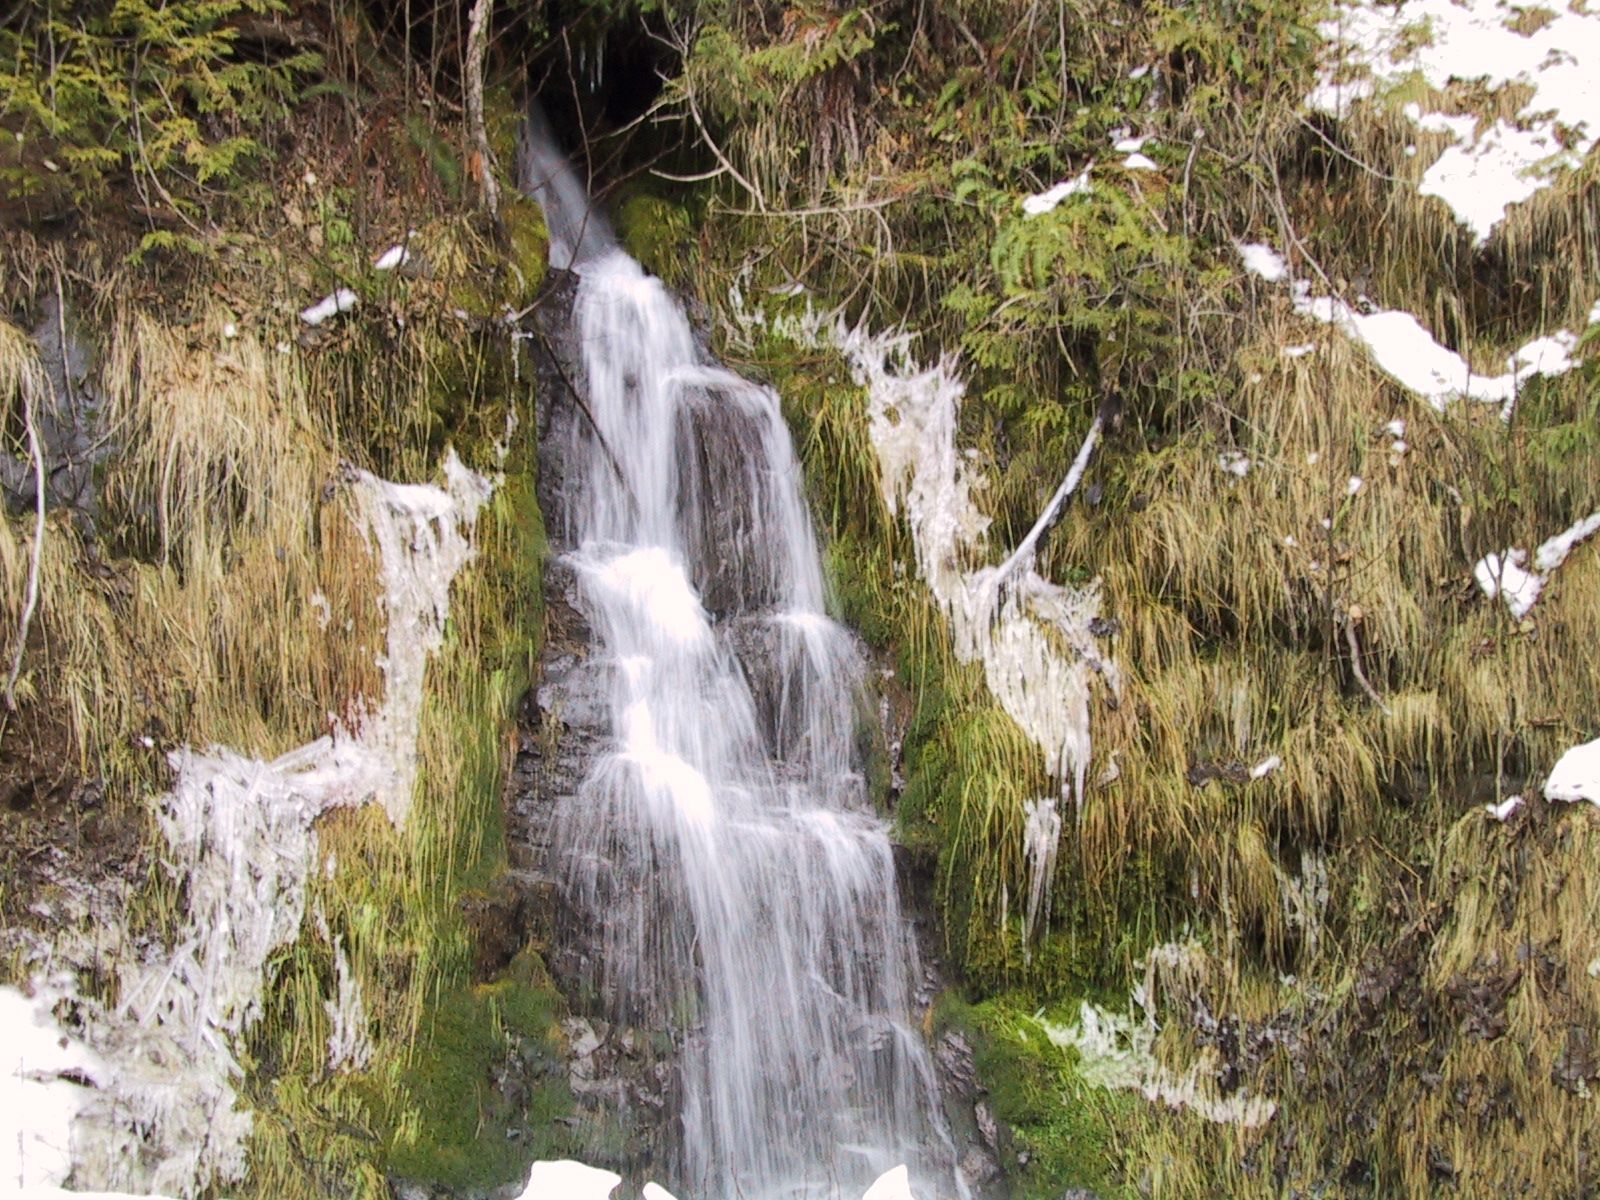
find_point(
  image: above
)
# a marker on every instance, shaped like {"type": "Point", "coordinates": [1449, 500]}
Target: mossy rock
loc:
{"type": "Point", "coordinates": [485, 1084]}
{"type": "Point", "coordinates": [527, 249]}
{"type": "Point", "coordinates": [1064, 1132]}
{"type": "Point", "coordinates": [660, 234]}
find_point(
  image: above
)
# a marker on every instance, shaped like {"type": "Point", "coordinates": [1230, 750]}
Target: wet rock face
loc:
{"type": "Point", "coordinates": [558, 367]}
{"type": "Point", "coordinates": [70, 424]}
{"type": "Point", "coordinates": [721, 499]}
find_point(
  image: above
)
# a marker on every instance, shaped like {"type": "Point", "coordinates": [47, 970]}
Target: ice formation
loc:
{"type": "Point", "coordinates": [1041, 837]}
{"type": "Point", "coordinates": [1117, 1051]}
{"type": "Point", "coordinates": [1032, 636]}
{"type": "Point", "coordinates": [163, 1114]}
{"type": "Point", "coordinates": [349, 1045]}
{"type": "Point", "coordinates": [1490, 165]}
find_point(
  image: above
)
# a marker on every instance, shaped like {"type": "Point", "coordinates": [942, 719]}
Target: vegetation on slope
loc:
{"type": "Point", "coordinates": [1408, 979]}
{"type": "Point", "coordinates": [181, 180]}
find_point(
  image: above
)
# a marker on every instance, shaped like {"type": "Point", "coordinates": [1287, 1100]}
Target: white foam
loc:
{"type": "Point", "coordinates": [652, 580]}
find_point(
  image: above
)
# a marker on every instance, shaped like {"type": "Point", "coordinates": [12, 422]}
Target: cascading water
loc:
{"type": "Point", "coordinates": [722, 849]}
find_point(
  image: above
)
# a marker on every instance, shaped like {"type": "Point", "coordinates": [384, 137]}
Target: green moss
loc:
{"type": "Point", "coordinates": [472, 1131]}
{"type": "Point", "coordinates": [660, 234]}
{"type": "Point", "coordinates": [1064, 1132]}
{"type": "Point", "coordinates": [527, 249]}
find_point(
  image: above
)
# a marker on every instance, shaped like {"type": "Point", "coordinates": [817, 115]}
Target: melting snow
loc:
{"type": "Point", "coordinates": [1503, 810]}
{"type": "Point", "coordinates": [1261, 259]}
{"type": "Point", "coordinates": [1408, 353]}
{"type": "Point", "coordinates": [569, 1180]}
{"type": "Point", "coordinates": [1043, 202]}
{"type": "Point", "coordinates": [45, 1079]}
{"type": "Point", "coordinates": [1502, 575]}
{"type": "Point", "coordinates": [1139, 162]}
{"type": "Point", "coordinates": [1234, 463]}
{"type": "Point", "coordinates": [394, 256]}
{"type": "Point", "coordinates": [1266, 766]}
{"type": "Point", "coordinates": [342, 300]}
{"type": "Point", "coordinates": [1505, 575]}
{"type": "Point", "coordinates": [1576, 775]}
{"type": "Point", "coordinates": [1490, 165]}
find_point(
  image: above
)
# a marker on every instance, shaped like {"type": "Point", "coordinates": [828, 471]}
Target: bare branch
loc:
{"type": "Point", "coordinates": [477, 51]}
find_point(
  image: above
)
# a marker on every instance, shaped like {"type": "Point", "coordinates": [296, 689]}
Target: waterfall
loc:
{"type": "Point", "coordinates": [722, 851]}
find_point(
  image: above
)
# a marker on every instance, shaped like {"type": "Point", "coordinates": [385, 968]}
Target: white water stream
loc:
{"type": "Point", "coordinates": [722, 850]}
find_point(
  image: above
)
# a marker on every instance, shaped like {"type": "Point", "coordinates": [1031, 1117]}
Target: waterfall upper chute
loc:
{"type": "Point", "coordinates": [720, 851]}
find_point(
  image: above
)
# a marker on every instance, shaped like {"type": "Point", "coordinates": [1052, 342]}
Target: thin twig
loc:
{"type": "Point", "coordinates": [1355, 665]}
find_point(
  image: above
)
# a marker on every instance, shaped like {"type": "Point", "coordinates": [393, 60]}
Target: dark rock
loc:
{"type": "Point", "coordinates": [70, 423]}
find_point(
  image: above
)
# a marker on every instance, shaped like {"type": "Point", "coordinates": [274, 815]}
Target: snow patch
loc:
{"type": "Point", "coordinates": [1043, 202]}
{"type": "Point", "coordinates": [341, 300]}
{"type": "Point", "coordinates": [45, 1080]}
{"type": "Point", "coordinates": [1262, 260]}
{"type": "Point", "coordinates": [1234, 463]}
{"type": "Point", "coordinates": [1503, 810]}
{"type": "Point", "coordinates": [1502, 575]}
{"type": "Point", "coordinates": [1505, 575]}
{"type": "Point", "coordinates": [1405, 350]}
{"type": "Point", "coordinates": [1266, 766]}
{"type": "Point", "coordinates": [1576, 775]}
{"type": "Point", "coordinates": [1373, 47]}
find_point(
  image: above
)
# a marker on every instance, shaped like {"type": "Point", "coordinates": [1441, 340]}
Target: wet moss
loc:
{"type": "Point", "coordinates": [660, 233]}
{"type": "Point", "coordinates": [485, 1088]}
{"type": "Point", "coordinates": [1061, 1133]}
{"type": "Point", "coordinates": [527, 252]}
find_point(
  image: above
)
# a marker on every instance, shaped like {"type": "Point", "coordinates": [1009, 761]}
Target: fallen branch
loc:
{"type": "Point", "coordinates": [1052, 511]}
{"type": "Point", "coordinates": [1355, 666]}
{"type": "Point", "coordinates": [477, 51]}
{"type": "Point", "coordinates": [577, 398]}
